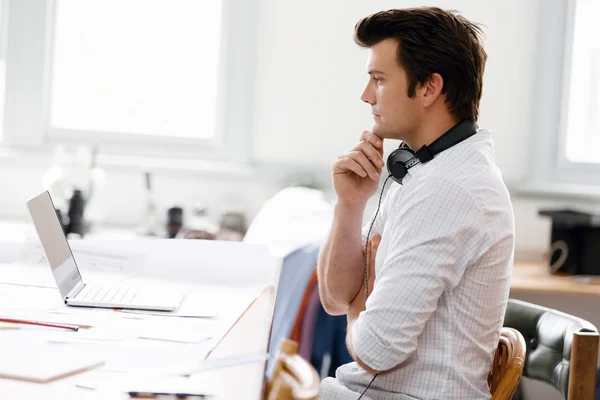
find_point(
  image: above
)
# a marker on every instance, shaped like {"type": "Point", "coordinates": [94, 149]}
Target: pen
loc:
{"type": "Point", "coordinates": [151, 395]}
{"type": "Point", "coordinates": [39, 323]}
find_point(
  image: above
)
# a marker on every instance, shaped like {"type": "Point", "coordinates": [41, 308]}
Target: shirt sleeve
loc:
{"type": "Point", "coordinates": [378, 217]}
{"type": "Point", "coordinates": [437, 230]}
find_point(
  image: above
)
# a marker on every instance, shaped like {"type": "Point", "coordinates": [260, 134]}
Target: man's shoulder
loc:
{"type": "Point", "coordinates": [431, 184]}
{"type": "Point", "coordinates": [476, 191]}
{"type": "Point", "coordinates": [470, 178]}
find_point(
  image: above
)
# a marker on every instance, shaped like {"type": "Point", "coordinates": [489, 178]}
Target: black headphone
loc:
{"type": "Point", "coordinates": [404, 158]}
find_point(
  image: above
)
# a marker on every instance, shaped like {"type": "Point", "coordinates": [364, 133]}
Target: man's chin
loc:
{"type": "Point", "coordinates": [379, 131]}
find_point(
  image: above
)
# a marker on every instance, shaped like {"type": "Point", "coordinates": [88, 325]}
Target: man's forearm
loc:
{"type": "Point", "coordinates": [341, 261]}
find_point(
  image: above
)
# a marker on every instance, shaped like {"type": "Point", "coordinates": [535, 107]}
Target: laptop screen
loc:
{"type": "Point", "coordinates": [54, 242]}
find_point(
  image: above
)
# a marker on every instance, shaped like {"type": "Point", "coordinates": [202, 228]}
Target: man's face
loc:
{"type": "Point", "coordinates": [395, 114]}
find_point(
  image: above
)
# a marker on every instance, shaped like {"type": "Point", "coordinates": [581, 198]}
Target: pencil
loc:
{"type": "Point", "coordinates": [39, 323]}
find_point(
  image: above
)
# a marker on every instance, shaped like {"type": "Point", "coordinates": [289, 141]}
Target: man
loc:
{"type": "Point", "coordinates": [430, 322]}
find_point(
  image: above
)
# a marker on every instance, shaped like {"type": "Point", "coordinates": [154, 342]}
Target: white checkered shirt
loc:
{"type": "Point", "coordinates": [443, 268]}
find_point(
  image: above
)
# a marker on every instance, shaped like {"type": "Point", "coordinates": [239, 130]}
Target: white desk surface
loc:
{"type": "Point", "coordinates": [187, 264]}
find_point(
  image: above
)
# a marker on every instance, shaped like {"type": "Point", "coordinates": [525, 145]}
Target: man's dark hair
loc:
{"type": "Point", "coordinates": [433, 40]}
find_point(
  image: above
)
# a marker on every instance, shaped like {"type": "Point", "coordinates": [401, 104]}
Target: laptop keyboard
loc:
{"type": "Point", "coordinates": [119, 294]}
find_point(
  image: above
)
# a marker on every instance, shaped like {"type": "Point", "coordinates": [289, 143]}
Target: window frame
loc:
{"type": "Point", "coordinates": [549, 172]}
{"type": "Point", "coordinates": [28, 80]}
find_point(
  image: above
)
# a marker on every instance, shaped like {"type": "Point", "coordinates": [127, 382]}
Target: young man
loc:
{"type": "Point", "coordinates": [427, 324]}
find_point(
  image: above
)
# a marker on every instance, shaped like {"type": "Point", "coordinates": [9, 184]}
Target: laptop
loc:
{"type": "Point", "coordinates": [73, 289]}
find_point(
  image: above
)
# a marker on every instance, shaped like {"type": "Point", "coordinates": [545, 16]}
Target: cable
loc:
{"type": "Point", "coordinates": [369, 234]}
{"type": "Point", "coordinates": [367, 266]}
{"type": "Point", "coordinates": [368, 386]}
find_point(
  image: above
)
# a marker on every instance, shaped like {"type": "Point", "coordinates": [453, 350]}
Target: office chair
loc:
{"type": "Point", "coordinates": [562, 349]}
{"type": "Point", "coordinates": [293, 378]}
{"type": "Point", "coordinates": [508, 364]}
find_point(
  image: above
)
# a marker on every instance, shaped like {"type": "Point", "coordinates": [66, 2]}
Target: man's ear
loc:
{"type": "Point", "coordinates": [432, 89]}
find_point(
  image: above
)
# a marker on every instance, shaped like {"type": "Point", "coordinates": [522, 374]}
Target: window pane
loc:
{"type": "Point", "coordinates": [136, 66]}
{"type": "Point", "coordinates": [3, 19]}
{"type": "Point", "coordinates": [583, 122]}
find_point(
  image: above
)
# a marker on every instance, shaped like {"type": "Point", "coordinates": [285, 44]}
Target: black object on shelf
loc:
{"type": "Point", "coordinates": [75, 213]}
{"type": "Point", "coordinates": [174, 221]}
{"type": "Point", "coordinates": [575, 242]}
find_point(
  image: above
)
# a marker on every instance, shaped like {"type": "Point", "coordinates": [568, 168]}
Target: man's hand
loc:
{"type": "Point", "coordinates": [356, 172]}
{"type": "Point", "coordinates": [358, 304]}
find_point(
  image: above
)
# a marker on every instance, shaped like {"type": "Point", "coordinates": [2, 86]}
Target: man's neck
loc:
{"type": "Point", "coordinates": [431, 129]}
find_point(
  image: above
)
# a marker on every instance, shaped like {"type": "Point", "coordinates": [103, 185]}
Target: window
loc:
{"type": "Point", "coordinates": [144, 77]}
{"type": "Point", "coordinates": [3, 16]}
{"type": "Point", "coordinates": [150, 69]}
{"type": "Point", "coordinates": [565, 141]}
{"type": "Point", "coordinates": [583, 107]}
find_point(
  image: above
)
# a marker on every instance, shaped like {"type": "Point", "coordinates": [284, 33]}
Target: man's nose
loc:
{"type": "Point", "coordinates": [367, 97]}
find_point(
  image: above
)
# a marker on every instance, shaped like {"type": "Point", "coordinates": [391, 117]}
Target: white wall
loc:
{"type": "Point", "coordinates": [310, 76]}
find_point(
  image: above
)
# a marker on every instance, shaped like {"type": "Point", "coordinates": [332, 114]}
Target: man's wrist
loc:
{"type": "Point", "coordinates": [351, 205]}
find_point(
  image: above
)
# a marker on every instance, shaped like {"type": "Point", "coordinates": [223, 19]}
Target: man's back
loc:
{"type": "Point", "coordinates": [442, 281]}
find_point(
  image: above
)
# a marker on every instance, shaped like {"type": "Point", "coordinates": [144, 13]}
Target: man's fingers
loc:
{"type": "Point", "coordinates": [364, 162]}
{"type": "Point", "coordinates": [376, 241]}
{"type": "Point", "coordinates": [371, 255]}
{"type": "Point", "coordinates": [365, 158]}
{"type": "Point", "coordinates": [346, 164]}
{"type": "Point", "coordinates": [372, 154]}
{"type": "Point", "coordinates": [373, 139]}
{"type": "Point", "coordinates": [373, 246]}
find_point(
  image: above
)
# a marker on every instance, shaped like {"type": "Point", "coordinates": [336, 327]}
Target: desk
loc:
{"type": "Point", "coordinates": [531, 281]}
{"type": "Point", "coordinates": [534, 277]}
{"type": "Point", "coordinates": [250, 335]}
{"type": "Point", "coordinates": [201, 262]}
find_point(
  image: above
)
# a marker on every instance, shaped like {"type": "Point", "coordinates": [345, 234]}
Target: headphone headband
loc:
{"type": "Point", "coordinates": [403, 158]}
{"type": "Point", "coordinates": [459, 132]}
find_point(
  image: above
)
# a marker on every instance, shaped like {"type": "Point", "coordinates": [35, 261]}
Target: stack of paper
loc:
{"type": "Point", "coordinates": [42, 364]}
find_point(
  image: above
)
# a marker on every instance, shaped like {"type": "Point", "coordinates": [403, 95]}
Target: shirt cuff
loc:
{"type": "Point", "coordinates": [369, 348]}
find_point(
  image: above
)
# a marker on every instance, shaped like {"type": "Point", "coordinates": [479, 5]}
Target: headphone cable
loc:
{"type": "Point", "coordinates": [369, 234]}
{"type": "Point", "coordinates": [367, 265]}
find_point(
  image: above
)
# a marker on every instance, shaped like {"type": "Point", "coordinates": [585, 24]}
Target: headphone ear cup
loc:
{"type": "Point", "coordinates": [396, 163]}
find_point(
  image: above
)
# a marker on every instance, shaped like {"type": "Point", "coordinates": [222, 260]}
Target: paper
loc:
{"type": "Point", "coordinates": [176, 334]}
{"type": "Point", "coordinates": [42, 364]}
{"type": "Point", "coordinates": [107, 382]}
{"type": "Point", "coordinates": [118, 327]}
{"type": "Point", "coordinates": [209, 302]}
{"type": "Point", "coordinates": [26, 275]}
{"type": "Point", "coordinates": [191, 307]}
{"type": "Point", "coordinates": [59, 390]}
{"type": "Point", "coordinates": [124, 264]}
{"type": "Point", "coordinates": [88, 258]}
{"type": "Point", "coordinates": [212, 263]}
{"type": "Point", "coordinates": [58, 313]}
{"type": "Point", "coordinates": [29, 298]}
{"type": "Point", "coordinates": [227, 362]}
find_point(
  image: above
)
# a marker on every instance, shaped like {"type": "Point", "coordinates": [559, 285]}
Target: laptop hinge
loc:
{"type": "Point", "coordinates": [75, 291]}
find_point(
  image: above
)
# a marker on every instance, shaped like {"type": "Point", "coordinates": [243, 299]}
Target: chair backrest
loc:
{"type": "Point", "coordinates": [562, 349]}
{"type": "Point", "coordinates": [292, 378]}
{"type": "Point", "coordinates": [507, 368]}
